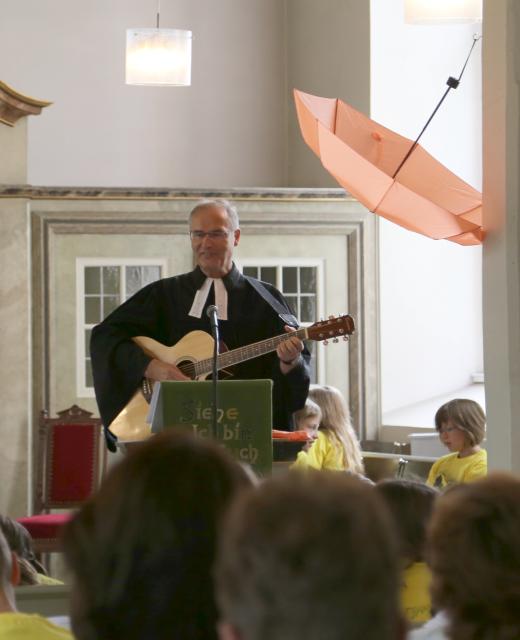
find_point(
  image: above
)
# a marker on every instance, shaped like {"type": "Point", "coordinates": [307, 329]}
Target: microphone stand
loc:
{"type": "Point", "coordinates": [212, 313]}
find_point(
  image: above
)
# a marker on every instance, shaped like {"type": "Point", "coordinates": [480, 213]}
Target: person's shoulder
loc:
{"type": "Point", "coordinates": [448, 459]}
{"type": "Point", "coordinates": [267, 285]}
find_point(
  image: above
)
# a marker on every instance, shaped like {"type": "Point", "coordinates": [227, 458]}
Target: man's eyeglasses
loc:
{"type": "Point", "coordinates": [212, 235]}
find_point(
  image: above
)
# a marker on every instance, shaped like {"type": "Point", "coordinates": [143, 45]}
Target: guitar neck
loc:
{"type": "Point", "coordinates": [250, 351]}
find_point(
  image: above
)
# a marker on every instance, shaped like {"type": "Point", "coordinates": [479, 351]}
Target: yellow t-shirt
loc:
{"type": "Point", "coordinates": [415, 593]}
{"type": "Point", "coordinates": [451, 469]}
{"type": "Point", "coordinates": [324, 453]}
{"type": "Point", "coordinates": [24, 626]}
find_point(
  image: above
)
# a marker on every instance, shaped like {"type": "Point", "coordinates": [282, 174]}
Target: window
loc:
{"type": "Point", "coordinates": [102, 285]}
{"type": "Point", "coordinates": [301, 283]}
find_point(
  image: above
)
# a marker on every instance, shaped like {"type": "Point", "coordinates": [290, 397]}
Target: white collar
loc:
{"type": "Point", "coordinates": [201, 295]}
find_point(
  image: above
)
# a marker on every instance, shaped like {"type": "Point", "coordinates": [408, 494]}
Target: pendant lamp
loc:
{"type": "Point", "coordinates": [442, 11]}
{"type": "Point", "coordinates": [160, 57]}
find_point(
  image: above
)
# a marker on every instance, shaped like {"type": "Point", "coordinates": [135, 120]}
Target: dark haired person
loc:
{"type": "Point", "coordinates": [474, 554]}
{"type": "Point", "coordinates": [169, 309]}
{"type": "Point", "coordinates": [309, 556]}
{"type": "Point", "coordinates": [141, 552]}
{"type": "Point", "coordinates": [411, 505]}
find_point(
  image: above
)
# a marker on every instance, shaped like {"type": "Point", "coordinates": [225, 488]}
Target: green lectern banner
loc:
{"type": "Point", "coordinates": [244, 415]}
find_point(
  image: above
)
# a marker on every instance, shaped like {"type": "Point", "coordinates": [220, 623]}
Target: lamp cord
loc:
{"type": "Point", "coordinates": [452, 83]}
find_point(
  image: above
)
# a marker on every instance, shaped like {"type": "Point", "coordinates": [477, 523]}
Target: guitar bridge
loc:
{"type": "Point", "coordinates": [147, 389]}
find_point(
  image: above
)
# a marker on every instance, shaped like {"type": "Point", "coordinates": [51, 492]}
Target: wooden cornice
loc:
{"type": "Point", "coordinates": [14, 105]}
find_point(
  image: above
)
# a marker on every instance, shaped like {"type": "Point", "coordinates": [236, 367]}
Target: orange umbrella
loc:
{"type": "Point", "coordinates": [420, 194]}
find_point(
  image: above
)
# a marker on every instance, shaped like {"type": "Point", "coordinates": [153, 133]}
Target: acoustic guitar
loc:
{"type": "Point", "coordinates": [193, 356]}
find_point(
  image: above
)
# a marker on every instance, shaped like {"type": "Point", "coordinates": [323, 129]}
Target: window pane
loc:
{"type": "Point", "coordinates": [92, 310]}
{"type": "Point", "coordinates": [133, 280]}
{"type": "Point", "coordinates": [252, 272]}
{"type": "Point", "coordinates": [150, 274]}
{"type": "Point", "coordinates": [111, 279]}
{"type": "Point", "coordinates": [109, 304]}
{"type": "Point", "coordinates": [308, 279]}
{"type": "Point", "coordinates": [92, 280]}
{"type": "Point", "coordinates": [88, 373]}
{"type": "Point", "coordinates": [293, 303]}
{"type": "Point", "coordinates": [308, 309]}
{"type": "Point", "coordinates": [268, 274]}
{"type": "Point", "coordinates": [88, 333]}
{"type": "Point", "coordinates": [290, 280]}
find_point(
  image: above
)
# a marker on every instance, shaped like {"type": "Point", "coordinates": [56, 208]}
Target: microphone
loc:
{"type": "Point", "coordinates": [212, 313]}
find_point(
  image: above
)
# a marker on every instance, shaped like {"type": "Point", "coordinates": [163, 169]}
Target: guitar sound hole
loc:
{"type": "Point", "coordinates": [187, 367]}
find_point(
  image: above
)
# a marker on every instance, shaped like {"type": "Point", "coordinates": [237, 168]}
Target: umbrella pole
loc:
{"type": "Point", "coordinates": [452, 83]}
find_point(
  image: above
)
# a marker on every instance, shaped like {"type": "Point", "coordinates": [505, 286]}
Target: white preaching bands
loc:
{"type": "Point", "coordinates": [221, 298]}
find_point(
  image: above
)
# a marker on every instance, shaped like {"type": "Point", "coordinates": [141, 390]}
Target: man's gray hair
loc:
{"type": "Point", "coordinates": [229, 208]}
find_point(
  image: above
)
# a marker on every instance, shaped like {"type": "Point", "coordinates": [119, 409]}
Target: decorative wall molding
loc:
{"type": "Point", "coordinates": [14, 105]}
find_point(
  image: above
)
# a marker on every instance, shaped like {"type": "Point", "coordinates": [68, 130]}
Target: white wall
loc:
{"type": "Point", "coordinates": [431, 317]}
{"type": "Point", "coordinates": [227, 129]}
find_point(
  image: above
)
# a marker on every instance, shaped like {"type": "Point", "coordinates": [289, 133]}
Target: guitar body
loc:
{"type": "Point", "coordinates": [194, 346]}
{"type": "Point", "coordinates": [130, 424]}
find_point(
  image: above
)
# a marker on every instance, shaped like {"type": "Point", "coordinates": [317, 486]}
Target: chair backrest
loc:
{"type": "Point", "coordinates": [71, 461]}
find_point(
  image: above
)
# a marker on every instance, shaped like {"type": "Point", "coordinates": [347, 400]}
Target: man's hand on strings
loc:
{"type": "Point", "coordinates": [159, 371]}
{"type": "Point", "coordinates": [289, 351]}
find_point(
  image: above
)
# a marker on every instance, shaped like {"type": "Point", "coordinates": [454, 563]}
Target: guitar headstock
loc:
{"type": "Point", "coordinates": [331, 328]}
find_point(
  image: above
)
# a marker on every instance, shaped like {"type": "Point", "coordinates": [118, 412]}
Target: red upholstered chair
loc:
{"type": "Point", "coordinates": [70, 466]}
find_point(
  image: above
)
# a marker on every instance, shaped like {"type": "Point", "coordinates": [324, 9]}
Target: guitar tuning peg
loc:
{"type": "Point", "coordinates": [325, 342]}
{"type": "Point", "coordinates": [331, 317]}
{"type": "Point", "coordinates": [345, 338]}
{"type": "Point", "coordinates": [335, 341]}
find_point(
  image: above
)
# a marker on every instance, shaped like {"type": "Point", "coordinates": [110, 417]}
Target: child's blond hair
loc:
{"type": "Point", "coordinates": [335, 420]}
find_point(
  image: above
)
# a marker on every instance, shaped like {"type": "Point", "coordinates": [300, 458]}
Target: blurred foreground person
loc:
{"type": "Point", "coordinates": [141, 552]}
{"type": "Point", "coordinates": [411, 504]}
{"type": "Point", "coordinates": [310, 556]}
{"type": "Point", "coordinates": [13, 624]}
{"type": "Point", "coordinates": [474, 553]}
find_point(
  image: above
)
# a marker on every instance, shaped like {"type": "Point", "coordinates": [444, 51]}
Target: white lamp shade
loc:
{"type": "Point", "coordinates": [442, 11]}
{"type": "Point", "coordinates": [158, 57]}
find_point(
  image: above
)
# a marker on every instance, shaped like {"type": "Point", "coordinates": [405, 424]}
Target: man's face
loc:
{"type": "Point", "coordinates": [213, 253]}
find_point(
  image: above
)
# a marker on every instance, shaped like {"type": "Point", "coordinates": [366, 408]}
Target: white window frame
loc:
{"type": "Point", "coordinates": [82, 391]}
{"type": "Point", "coordinates": [279, 263]}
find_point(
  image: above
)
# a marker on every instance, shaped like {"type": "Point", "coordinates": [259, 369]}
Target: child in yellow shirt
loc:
{"type": "Point", "coordinates": [411, 504]}
{"type": "Point", "coordinates": [336, 446]}
{"type": "Point", "coordinates": [461, 424]}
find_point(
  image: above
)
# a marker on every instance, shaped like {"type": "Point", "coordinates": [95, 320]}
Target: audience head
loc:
{"type": "Point", "coordinates": [308, 418]}
{"type": "Point", "coordinates": [335, 419]}
{"type": "Point", "coordinates": [308, 556]}
{"type": "Point", "coordinates": [474, 553]}
{"type": "Point", "coordinates": [141, 551]}
{"type": "Point", "coordinates": [411, 504]}
{"type": "Point", "coordinates": [20, 541]}
{"type": "Point", "coordinates": [463, 416]}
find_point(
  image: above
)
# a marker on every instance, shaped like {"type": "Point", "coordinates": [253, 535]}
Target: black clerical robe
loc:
{"type": "Point", "coordinates": [160, 311]}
